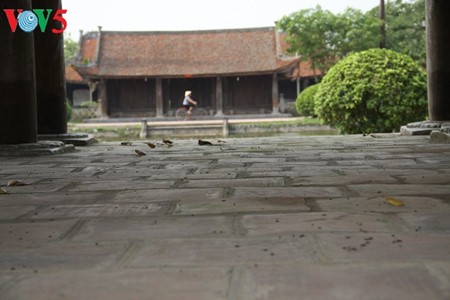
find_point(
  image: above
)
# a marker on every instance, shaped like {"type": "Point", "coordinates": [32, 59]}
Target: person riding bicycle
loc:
{"type": "Point", "coordinates": [188, 102]}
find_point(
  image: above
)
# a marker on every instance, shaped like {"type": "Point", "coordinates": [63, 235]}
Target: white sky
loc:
{"type": "Point", "coordinates": [162, 15]}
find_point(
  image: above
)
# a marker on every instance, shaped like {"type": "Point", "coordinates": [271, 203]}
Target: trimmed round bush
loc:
{"type": "Point", "coordinates": [304, 104]}
{"type": "Point", "coordinates": [377, 90]}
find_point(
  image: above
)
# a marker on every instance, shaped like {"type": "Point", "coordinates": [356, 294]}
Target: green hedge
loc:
{"type": "Point", "coordinates": [305, 101]}
{"type": "Point", "coordinates": [377, 90]}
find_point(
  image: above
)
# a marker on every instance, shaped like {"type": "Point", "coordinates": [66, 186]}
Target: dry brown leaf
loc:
{"type": "Point", "coordinates": [220, 141]}
{"type": "Point", "coordinates": [167, 142]}
{"type": "Point", "coordinates": [151, 145]}
{"type": "Point", "coordinates": [3, 191]}
{"type": "Point", "coordinates": [204, 143]}
{"type": "Point", "coordinates": [139, 153]}
{"type": "Point", "coordinates": [126, 143]}
{"type": "Point", "coordinates": [16, 183]}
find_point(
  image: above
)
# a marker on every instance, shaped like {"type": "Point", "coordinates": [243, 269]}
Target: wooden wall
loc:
{"type": "Point", "coordinates": [247, 94]}
{"type": "Point", "coordinates": [137, 97]}
{"type": "Point", "coordinates": [203, 91]}
{"type": "Point", "coordinates": [131, 97]}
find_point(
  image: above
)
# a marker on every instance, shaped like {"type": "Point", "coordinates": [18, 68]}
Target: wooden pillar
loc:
{"type": "Point", "coordinates": [103, 98]}
{"type": "Point", "coordinates": [18, 120]}
{"type": "Point", "coordinates": [159, 99]}
{"type": "Point", "coordinates": [219, 97]}
{"type": "Point", "coordinates": [275, 97]}
{"type": "Point", "coordinates": [50, 74]}
{"type": "Point", "coordinates": [438, 59]}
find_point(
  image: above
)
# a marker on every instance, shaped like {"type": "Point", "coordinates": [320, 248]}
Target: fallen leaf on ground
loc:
{"type": "Point", "coordinates": [204, 143]}
{"type": "Point", "coordinates": [151, 145]}
{"type": "Point", "coordinates": [2, 191]}
{"type": "Point", "coordinates": [167, 142]}
{"type": "Point", "coordinates": [16, 183]}
{"type": "Point", "coordinates": [220, 141]}
{"type": "Point", "coordinates": [394, 202]}
{"type": "Point", "coordinates": [126, 143]}
{"type": "Point", "coordinates": [140, 153]}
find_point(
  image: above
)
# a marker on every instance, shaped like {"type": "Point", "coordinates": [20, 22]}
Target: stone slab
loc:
{"type": "Point", "coordinates": [223, 252]}
{"type": "Point", "coordinates": [154, 228]}
{"type": "Point", "coordinates": [287, 192]}
{"type": "Point", "coordinates": [101, 210]}
{"type": "Point", "coordinates": [36, 188]}
{"type": "Point", "coordinates": [29, 233]}
{"type": "Point", "coordinates": [370, 190]}
{"type": "Point", "coordinates": [297, 224]}
{"type": "Point", "coordinates": [385, 247]}
{"type": "Point", "coordinates": [238, 182]}
{"type": "Point", "coordinates": [158, 195]}
{"type": "Point", "coordinates": [14, 212]}
{"type": "Point", "coordinates": [437, 221]}
{"type": "Point", "coordinates": [79, 139]}
{"type": "Point", "coordinates": [123, 284]}
{"type": "Point", "coordinates": [379, 204]}
{"type": "Point", "coordinates": [188, 206]}
{"type": "Point", "coordinates": [42, 199]}
{"type": "Point", "coordinates": [342, 180]}
{"type": "Point", "coordinates": [36, 149]}
{"type": "Point", "coordinates": [60, 256]}
{"type": "Point", "coordinates": [441, 271]}
{"type": "Point", "coordinates": [437, 137]}
{"type": "Point", "coordinates": [404, 130]}
{"type": "Point", "coordinates": [334, 282]}
{"type": "Point", "coordinates": [117, 185]}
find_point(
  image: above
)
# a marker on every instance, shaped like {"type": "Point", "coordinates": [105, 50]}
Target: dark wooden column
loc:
{"type": "Point", "coordinates": [219, 97]}
{"type": "Point", "coordinates": [50, 74]}
{"type": "Point", "coordinates": [17, 81]}
{"type": "Point", "coordinates": [275, 95]}
{"type": "Point", "coordinates": [104, 98]}
{"type": "Point", "coordinates": [438, 59]}
{"type": "Point", "coordinates": [159, 99]}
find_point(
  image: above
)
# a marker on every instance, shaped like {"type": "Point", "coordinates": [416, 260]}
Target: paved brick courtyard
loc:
{"type": "Point", "coordinates": [285, 217]}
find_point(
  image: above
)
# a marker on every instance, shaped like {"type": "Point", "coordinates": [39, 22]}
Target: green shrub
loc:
{"type": "Point", "coordinates": [68, 110]}
{"type": "Point", "coordinates": [88, 104]}
{"type": "Point", "coordinates": [377, 90]}
{"type": "Point", "coordinates": [305, 101]}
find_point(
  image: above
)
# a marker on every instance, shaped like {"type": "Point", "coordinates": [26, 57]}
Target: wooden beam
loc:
{"type": "Point", "coordinates": [103, 98]}
{"type": "Point", "coordinates": [275, 95]}
{"type": "Point", "coordinates": [219, 97]}
{"type": "Point", "coordinates": [18, 117]}
{"type": "Point", "coordinates": [50, 75]}
{"type": "Point", "coordinates": [159, 99]}
{"type": "Point", "coordinates": [438, 59]}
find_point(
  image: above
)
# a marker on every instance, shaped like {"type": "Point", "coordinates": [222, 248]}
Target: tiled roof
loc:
{"type": "Point", "coordinates": [191, 53]}
{"type": "Point", "coordinates": [72, 75]}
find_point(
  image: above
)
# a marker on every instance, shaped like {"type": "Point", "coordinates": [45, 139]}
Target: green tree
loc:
{"type": "Point", "coordinates": [71, 48]}
{"type": "Point", "coordinates": [376, 90]}
{"type": "Point", "coordinates": [323, 38]}
{"type": "Point", "coordinates": [405, 28]}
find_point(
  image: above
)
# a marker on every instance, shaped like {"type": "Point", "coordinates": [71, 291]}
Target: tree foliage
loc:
{"type": "Point", "coordinates": [323, 38]}
{"type": "Point", "coordinates": [71, 48]}
{"type": "Point", "coordinates": [376, 90]}
{"type": "Point", "coordinates": [405, 28]}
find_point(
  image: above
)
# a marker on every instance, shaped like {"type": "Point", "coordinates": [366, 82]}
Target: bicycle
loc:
{"type": "Point", "coordinates": [197, 112]}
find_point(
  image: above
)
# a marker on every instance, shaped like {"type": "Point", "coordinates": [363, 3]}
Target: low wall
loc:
{"type": "Point", "coordinates": [221, 128]}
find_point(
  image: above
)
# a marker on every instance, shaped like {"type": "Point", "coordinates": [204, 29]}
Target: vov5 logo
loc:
{"type": "Point", "coordinates": [28, 20]}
